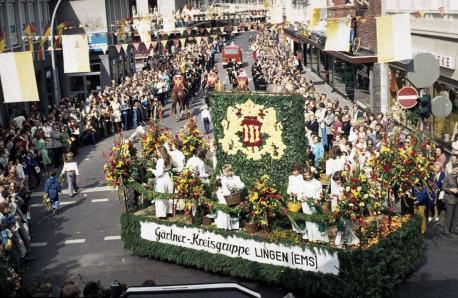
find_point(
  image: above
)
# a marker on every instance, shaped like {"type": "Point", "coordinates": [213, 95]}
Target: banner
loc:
{"type": "Point", "coordinates": [76, 53]}
{"type": "Point", "coordinates": [317, 15]}
{"type": "Point", "coordinates": [317, 260]}
{"type": "Point", "coordinates": [17, 73]}
{"type": "Point", "coordinates": [394, 40]}
{"type": "Point", "coordinates": [144, 30]}
{"type": "Point", "coordinates": [98, 41]}
{"type": "Point", "coordinates": [338, 35]}
{"type": "Point", "coordinates": [142, 8]}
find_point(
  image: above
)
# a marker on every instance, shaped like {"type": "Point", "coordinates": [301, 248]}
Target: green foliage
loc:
{"type": "Point", "coordinates": [372, 272]}
{"type": "Point", "coordinates": [290, 113]}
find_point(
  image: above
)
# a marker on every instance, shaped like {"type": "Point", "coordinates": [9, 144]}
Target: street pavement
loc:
{"type": "Point", "coordinates": [83, 243]}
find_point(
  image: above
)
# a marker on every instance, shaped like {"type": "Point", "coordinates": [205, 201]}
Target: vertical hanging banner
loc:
{"type": "Point", "coordinates": [17, 73]}
{"type": "Point", "coordinates": [144, 30]}
{"type": "Point", "coordinates": [394, 40]}
{"type": "Point", "coordinates": [316, 18]}
{"type": "Point", "coordinates": [338, 35]}
{"type": "Point", "coordinates": [92, 14]}
{"type": "Point", "coordinates": [76, 53]}
{"type": "Point", "coordinates": [142, 8]}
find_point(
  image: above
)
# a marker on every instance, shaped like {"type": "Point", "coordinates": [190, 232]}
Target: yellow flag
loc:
{"type": "Point", "coordinates": [316, 17]}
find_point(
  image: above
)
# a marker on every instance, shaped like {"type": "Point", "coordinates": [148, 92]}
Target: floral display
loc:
{"type": "Point", "coordinates": [120, 163]}
{"type": "Point", "coordinates": [191, 139]}
{"type": "Point", "coordinates": [155, 136]}
{"type": "Point", "coordinates": [360, 197]}
{"type": "Point", "coordinates": [264, 202]}
{"type": "Point", "coordinates": [188, 188]}
{"type": "Point", "coordinates": [253, 130]}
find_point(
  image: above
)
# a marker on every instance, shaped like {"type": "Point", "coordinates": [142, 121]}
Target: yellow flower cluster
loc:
{"type": "Point", "coordinates": [232, 125]}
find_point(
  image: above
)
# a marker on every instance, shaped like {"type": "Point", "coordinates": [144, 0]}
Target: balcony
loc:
{"type": "Point", "coordinates": [427, 6]}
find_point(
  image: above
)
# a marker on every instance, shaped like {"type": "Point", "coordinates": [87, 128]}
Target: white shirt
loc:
{"type": "Point", "coordinates": [295, 185]}
{"type": "Point", "coordinates": [19, 121]}
{"type": "Point", "coordinates": [20, 171]}
{"type": "Point", "coordinates": [70, 166]}
{"type": "Point", "coordinates": [233, 182]}
{"type": "Point", "coordinates": [334, 165]}
{"type": "Point", "coordinates": [311, 189]}
{"type": "Point", "coordinates": [178, 160]}
{"type": "Point", "coordinates": [205, 114]}
{"type": "Point", "coordinates": [197, 166]}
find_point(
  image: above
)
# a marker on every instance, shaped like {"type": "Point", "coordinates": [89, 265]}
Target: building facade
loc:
{"type": "Point", "coordinates": [434, 30]}
{"type": "Point", "coordinates": [15, 16]}
{"type": "Point", "coordinates": [356, 74]}
{"type": "Point", "coordinates": [99, 19]}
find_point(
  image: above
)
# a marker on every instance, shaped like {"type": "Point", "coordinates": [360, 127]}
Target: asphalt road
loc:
{"type": "Point", "coordinates": [83, 241]}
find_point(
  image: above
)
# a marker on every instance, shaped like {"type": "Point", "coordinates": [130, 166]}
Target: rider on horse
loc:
{"type": "Point", "coordinates": [178, 94]}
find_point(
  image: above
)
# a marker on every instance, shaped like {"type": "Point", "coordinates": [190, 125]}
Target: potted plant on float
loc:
{"type": "Point", "coordinates": [264, 203]}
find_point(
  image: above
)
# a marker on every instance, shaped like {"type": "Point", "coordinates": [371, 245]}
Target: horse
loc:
{"type": "Point", "coordinates": [178, 96]}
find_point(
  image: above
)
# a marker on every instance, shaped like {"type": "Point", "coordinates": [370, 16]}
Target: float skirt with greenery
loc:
{"type": "Point", "coordinates": [368, 272]}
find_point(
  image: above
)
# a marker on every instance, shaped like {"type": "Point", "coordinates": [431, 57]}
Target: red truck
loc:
{"type": "Point", "coordinates": [233, 52]}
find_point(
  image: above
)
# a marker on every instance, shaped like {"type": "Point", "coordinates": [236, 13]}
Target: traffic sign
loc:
{"type": "Point", "coordinates": [407, 97]}
{"type": "Point", "coordinates": [425, 70]}
{"type": "Point", "coordinates": [441, 106]}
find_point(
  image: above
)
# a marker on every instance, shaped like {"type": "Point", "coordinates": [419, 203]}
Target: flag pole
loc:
{"type": "Point", "coordinates": [55, 73]}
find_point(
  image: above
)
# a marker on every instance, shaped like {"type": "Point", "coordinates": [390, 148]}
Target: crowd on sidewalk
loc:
{"type": "Point", "coordinates": [342, 137]}
{"type": "Point", "coordinates": [34, 146]}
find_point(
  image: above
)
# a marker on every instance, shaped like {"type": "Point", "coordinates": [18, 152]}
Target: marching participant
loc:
{"type": "Point", "coordinates": [242, 81]}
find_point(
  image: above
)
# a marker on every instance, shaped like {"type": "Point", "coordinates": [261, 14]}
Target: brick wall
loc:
{"type": "Point", "coordinates": [366, 30]}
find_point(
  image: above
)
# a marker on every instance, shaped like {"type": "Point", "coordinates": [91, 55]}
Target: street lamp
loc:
{"type": "Point", "coordinates": [55, 73]}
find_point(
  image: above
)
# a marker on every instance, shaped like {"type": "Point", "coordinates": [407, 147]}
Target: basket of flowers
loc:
{"type": "Point", "coordinates": [234, 198]}
{"type": "Point", "coordinates": [293, 204]}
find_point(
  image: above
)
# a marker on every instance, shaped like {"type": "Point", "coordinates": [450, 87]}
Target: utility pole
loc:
{"type": "Point", "coordinates": [55, 73]}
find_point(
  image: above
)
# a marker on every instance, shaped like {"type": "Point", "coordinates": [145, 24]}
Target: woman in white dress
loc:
{"type": "Point", "coordinates": [336, 192]}
{"type": "Point", "coordinates": [224, 220]}
{"type": "Point", "coordinates": [116, 106]}
{"type": "Point", "coordinates": [196, 164]}
{"type": "Point", "coordinates": [295, 182]}
{"type": "Point", "coordinates": [311, 190]}
{"type": "Point", "coordinates": [164, 182]}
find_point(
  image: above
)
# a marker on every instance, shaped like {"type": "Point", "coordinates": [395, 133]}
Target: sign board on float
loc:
{"type": "Point", "coordinates": [295, 257]}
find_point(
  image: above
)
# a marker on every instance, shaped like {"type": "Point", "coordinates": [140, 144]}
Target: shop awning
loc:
{"type": "Point", "coordinates": [359, 58]}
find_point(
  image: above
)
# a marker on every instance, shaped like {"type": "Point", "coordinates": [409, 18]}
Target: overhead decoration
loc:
{"type": "Point", "coordinates": [394, 40]}
{"type": "Point", "coordinates": [17, 73]}
{"type": "Point", "coordinates": [29, 31]}
{"type": "Point", "coordinates": [338, 35]}
{"type": "Point", "coordinates": [76, 53]}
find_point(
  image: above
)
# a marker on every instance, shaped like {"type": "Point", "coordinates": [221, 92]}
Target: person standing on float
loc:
{"type": "Point", "coordinates": [164, 182]}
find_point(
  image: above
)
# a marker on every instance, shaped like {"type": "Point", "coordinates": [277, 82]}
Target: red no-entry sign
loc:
{"type": "Point", "coordinates": [407, 97]}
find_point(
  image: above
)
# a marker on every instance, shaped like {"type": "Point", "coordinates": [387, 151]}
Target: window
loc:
{"type": "Point", "coordinates": [31, 13]}
{"type": "Point", "coordinates": [39, 18]}
{"type": "Point", "coordinates": [46, 13]}
{"type": "Point", "coordinates": [2, 24]}
{"type": "Point", "coordinates": [12, 23]}
{"type": "Point", "coordinates": [22, 18]}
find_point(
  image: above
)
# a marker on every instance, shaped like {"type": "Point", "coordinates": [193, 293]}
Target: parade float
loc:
{"type": "Point", "coordinates": [262, 136]}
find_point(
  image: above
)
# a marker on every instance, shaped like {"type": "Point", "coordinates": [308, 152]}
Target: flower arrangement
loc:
{"type": "Point", "coordinates": [188, 188]}
{"type": "Point", "coordinates": [120, 163]}
{"type": "Point", "coordinates": [46, 202]}
{"type": "Point", "coordinates": [264, 201]}
{"type": "Point", "coordinates": [360, 197]}
{"type": "Point", "coordinates": [155, 136]}
{"type": "Point", "coordinates": [191, 140]}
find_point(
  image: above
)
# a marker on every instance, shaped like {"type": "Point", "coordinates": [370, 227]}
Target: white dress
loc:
{"type": "Point", "coordinates": [232, 182]}
{"type": "Point", "coordinates": [312, 190]}
{"type": "Point", "coordinates": [178, 160]}
{"type": "Point", "coordinates": [224, 220]}
{"type": "Point", "coordinates": [116, 111]}
{"type": "Point", "coordinates": [295, 185]}
{"type": "Point", "coordinates": [197, 166]}
{"type": "Point", "coordinates": [350, 236]}
{"type": "Point", "coordinates": [164, 184]}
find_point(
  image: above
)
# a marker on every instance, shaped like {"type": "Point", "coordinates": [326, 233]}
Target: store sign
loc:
{"type": "Point", "coordinates": [97, 41]}
{"type": "Point", "coordinates": [295, 257]}
{"type": "Point", "coordinates": [444, 61]}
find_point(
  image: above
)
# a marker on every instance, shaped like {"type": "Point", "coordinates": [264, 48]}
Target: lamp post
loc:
{"type": "Point", "coordinates": [55, 73]}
